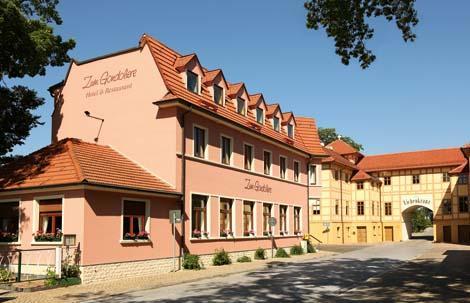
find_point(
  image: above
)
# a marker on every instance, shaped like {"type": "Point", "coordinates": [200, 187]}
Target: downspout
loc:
{"type": "Point", "coordinates": [341, 202]}
{"type": "Point", "coordinates": [183, 179]}
{"type": "Point", "coordinates": [308, 196]}
{"type": "Point", "coordinates": [380, 212]}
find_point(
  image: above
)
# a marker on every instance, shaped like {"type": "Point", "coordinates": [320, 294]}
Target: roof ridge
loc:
{"type": "Point", "coordinates": [414, 151]}
{"type": "Point", "coordinates": [75, 161]}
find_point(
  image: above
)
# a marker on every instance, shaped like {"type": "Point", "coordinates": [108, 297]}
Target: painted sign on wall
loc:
{"type": "Point", "coordinates": [416, 200]}
{"type": "Point", "coordinates": [257, 186]}
{"type": "Point", "coordinates": [103, 84]}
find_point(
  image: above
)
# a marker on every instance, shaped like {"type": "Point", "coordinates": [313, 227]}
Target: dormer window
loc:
{"type": "Point", "coordinates": [218, 94]}
{"type": "Point", "coordinates": [290, 130]}
{"type": "Point", "coordinates": [241, 106]}
{"type": "Point", "coordinates": [259, 115]}
{"type": "Point", "coordinates": [192, 82]}
{"type": "Point", "coordinates": [276, 123]}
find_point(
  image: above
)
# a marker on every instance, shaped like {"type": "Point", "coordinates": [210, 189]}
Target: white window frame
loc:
{"type": "Point", "coordinates": [245, 107]}
{"type": "Point", "coordinates": [232, 216]}
{"type": "Point", "coordinates": [223, 94]}
{"type": "Point", "coordinates": [231, 149]}
{"type": "Point", "coordinates": [278, 124]}
{"type": "Point", "coordinates": [287, 219]}
{"type": "Point", "coordinates": [293, 171]}
{"type": "Point", "coordinates": [262, 115]}
{"type": "Point", "coordinates": [270, 162]}
{"type": "Point", "coordinates": [314, 203]}
{"type": "Point", "coordinates": [19, 219]}
{"type": "Point", "coordinates": [286, 175]}
{"type": "Point", "coordinates": [208, 211]}
{"type": "Point", "coordinates": [206, 141]}
{"type": "Point", "coordinates": [253, 223]}
{"type": "Point", "coordinates": [293, 129]}
{"type": "Point", "coordinates": [312, 171]}
{"type": "Point", "coordinates": [198, 81]}
{"type": "Point", "coordinates": [147, 217]}
{"type": "Point", "coordinates": [36, 217]}
{"type": "Point", "coordinates": [252, 157]}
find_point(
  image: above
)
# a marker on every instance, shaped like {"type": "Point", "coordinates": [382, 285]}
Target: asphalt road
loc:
{"type": "Point", "coordinates": [380, 273]}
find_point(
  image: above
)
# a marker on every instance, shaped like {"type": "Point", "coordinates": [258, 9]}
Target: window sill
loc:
{"type": "Point", "coordinates": [140, 241]}
{"type": "Point", "coordinates": [10, 243]}
{"type": "Point", "coordinates": [46, 243]}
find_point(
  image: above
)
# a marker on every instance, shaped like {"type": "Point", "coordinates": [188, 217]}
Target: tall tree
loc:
{"type": "Point", "coordinates": [347, 21]}
{"type": "Point", "coordinates": [27, 46]}
{"type": "Point", "coordinates": [328, 135]}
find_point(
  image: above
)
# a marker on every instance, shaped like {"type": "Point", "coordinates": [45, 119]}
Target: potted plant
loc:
{"type": "Point", "coordinates": [267, 233]}
{"type": "Point", "coordinates": [197, 233]}
{"type": "Point", "coordinates": [41, 236]}
{"type": "Point", "coordinates": [129, 236]}
{"type": "Point", "coordinates": [8, 237]}
{"type": "Point", "coordinates": [205, 234]}
{"type": "Point", "coordinates": [143, 235]}
{"type": "Point", "coordinates": [251, 232]}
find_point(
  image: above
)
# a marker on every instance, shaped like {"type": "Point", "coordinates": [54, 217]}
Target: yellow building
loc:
{"type": "Point", "coordinates": [367, 199]}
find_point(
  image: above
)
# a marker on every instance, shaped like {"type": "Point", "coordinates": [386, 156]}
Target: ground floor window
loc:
{"type": "Point", "coordinates": [446, 207]}
{"type": "Point", "coordinates": [9, 221]}
{"type": "Point", "coordinates": [225, 217]}
{"type": "Point", "coordinates": [283, 220]}
{"type": "Point", "coordinates": [463, 204]}
{"type": "Point", "coordinates": [360, 208]}
{"type": "Point", "coordinates": [266, 215]}
{"type": "Point", "coordinates": [199, 216]}
{"type": "Point", "coordinates": [134, 220]}
{"type": "Point", "coordinates": [297, 226]}
{"type": "Point", "coordinates": [50, 220]}
{"type": "Point", "coordinates": [248, 226]}
{"type": "Point", "coordinates": [388, 208]}
{"type": "Point", "coordinates": [315, 207]}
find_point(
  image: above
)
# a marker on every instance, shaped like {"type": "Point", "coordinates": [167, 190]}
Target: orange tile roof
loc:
{"type": "Point", "coordinates": [181, 62]}
{"type": "Point", "coordinates": [336, 157]}
{"type": "Point", "coordinates": [234, 88]}
{"type": "Point", "coordinates": [209, 76]}
{"type": "Point", "coordinates": [165, 58]}
{"type": "Point", "coordinates": [342, 147]}
{"type": "Point", "coordinates": [416, 159]}
{"type": "Point", "coordinates": [255, 98]}
{"type": "Point", "coordinates": [363, 176]}
{"type": "Point", "coordinates": [462, 168]}
{"type": "Point", "coordinates": [271, 109]}
{"type": "Point", "coordinates": [72, 161]}
{"type": "Point", "coordinates": [307, 129]}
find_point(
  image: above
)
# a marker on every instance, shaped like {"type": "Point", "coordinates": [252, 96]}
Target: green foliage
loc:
{"type": "Point", "coordinates": [328, 135]}
{"type": "Point", "coordinates": [244, 259]}
{"type": "Point", "coordinates": [221, 257]}
{"type": "Point", "coordinates": [296, 250]}
{"type": "Point", "coordinates": [260, 254]}
{"type": "Point", "coordinates": [191, 262]}
{"type": "Point", "coordinates": [281, 253]}
{"type": "Point", "coordinates": [347, 22]}
{"type": "Point", "coordinates": [29, 45]}
{"type": "Point", "coordinates": [421, 219]}
{"type": "Point", "coordinates": [6, 275]}
{"type": "Point", "coordinates": [51, 278]}
{"type": "Point", "coordinates": [310, 248]}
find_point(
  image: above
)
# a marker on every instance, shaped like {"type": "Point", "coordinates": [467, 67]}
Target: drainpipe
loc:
{"type": "Point", "coordinates": [308, 196]}
{"type": "Point", "coordinates": [380, 213]}
{"type": "Point", "coordinates": [341, 202]}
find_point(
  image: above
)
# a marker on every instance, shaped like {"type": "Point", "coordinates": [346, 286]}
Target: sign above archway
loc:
{"type": "Point", "coordinates": [417, 200]}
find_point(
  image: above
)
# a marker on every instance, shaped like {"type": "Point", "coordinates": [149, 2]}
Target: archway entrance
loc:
{"type": "Point", "coordinates": [417, 223]}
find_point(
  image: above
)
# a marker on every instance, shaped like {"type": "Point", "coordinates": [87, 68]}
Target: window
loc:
{"type": "Point", "coordinates": [290, 130]}
{"type": "Point", "coordinates": [134, 219]}
{"type": "Point", "coordinates": [373, 208]}
{"type": "Point", "coordinates": [337, 207]}
{"type": "Point", "coordinates": [445, 177]}
{"type": "Point", "coordinates": [259, 115]}
{"type": "Point", "coordinates": [463, 204]}
{"type": "Point", "coordinates": [388, 208]}
{"type": "Point", "coordinates": [9, 221]}
{"type": "Point", "coordinates": [266, 216]}
{"type": "Point", "coordinates": [199, 142]}
{"type": "Point", "coordinates": [50, 218]}
{"type": "Point", "coordinates": [346, 178]}
{"type": "Point", "coordinates": [315, 207]}
{"type": "Point", "coordinates": [312, 174]}
{"type": "Point", "coordinates": [297, 227]}
{"type": "Point", "coordinates": [218, 94]}
{"type": "Point", "coordinates": [199, 216]}
{"type": "Point", "coordinates": [282, 167]}
{"type": "Point", "coordinates": [360, 208]}
{"type": "Point", "coordinates": [241, 106]}
{"type": "Point", "coordinates": [226, 150]}
{"type": "Point", "coordinates": [387, 180]}
{"type": "Point", "coordinates": [283, 219]}
{"type": "Point", "coordinates": [463, 179]}
{"type": "Point", "coordinates": [276, 123]}
{"type": "Point", "coordinates": [248, 154]}
{"type": "Point", "coordinates": [347, 208]}
{"type": "Point", "coordinates": [360, 185]}
{"type": "Point", "coordinates": [248, 228]}
{"type": "Point", "coordinates": [415, 179]}
{"type": "Point", "coordinates": [336, 175]}
{"type": "Point", "coordinates": [446, 207]}
{"type": "Point", "coordinates": [267, 162]}
{"type": "Point", "coordinates": [296, 171]}
{"type": "Point", "coordinates": [192, 83]}
{"type": "Point", "coordinates": [225, 217]}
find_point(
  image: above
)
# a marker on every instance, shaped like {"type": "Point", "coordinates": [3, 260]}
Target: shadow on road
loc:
{"type": "Point", "coordinates": [335, 280]}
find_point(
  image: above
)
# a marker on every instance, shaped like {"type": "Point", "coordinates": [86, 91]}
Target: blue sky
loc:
{"type": "Point", "coordinates": [415, 96]}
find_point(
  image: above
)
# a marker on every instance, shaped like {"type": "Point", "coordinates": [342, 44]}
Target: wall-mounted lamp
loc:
{"type": "Point", "coordinates": [87, 113]}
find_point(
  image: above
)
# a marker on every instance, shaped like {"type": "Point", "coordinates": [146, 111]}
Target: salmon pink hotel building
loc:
{"type": "Point", "coordinates": [146, 131]}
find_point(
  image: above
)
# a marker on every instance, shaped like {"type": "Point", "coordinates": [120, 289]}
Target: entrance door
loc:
{"type": "Point", "coordinates": [447, 231]}
{"type": "Point", "coordinates": [388, 233]}
{"type": "Point", "coordinates": [361, 234]}
{"type": "Point", "coordinates": [464, 234]}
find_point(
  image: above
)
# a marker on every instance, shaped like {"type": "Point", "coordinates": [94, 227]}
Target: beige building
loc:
{"type": "Point", "coordinates": [367, 199]}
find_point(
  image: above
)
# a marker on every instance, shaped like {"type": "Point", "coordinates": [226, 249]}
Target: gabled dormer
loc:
{"type": "Point", "coordinates": [274, 114]}
{"type": "Point", "coordinates": [239, 96]}
{"type": "Point", "coordinates": [258, 106]}
{"type": "Point", "coordinates": [215, 82]}
{"type": "Point", "coordinates": [191, 72]}
{"type": "Point", "coordinates": [289, 124]}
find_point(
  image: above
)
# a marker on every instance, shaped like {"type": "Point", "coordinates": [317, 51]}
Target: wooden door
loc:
{"type": "Point", "coordinates": [388, 233]}
{"type": "Point", "coordinates": [361, 234]}
{"type": "Point", "coordinates": [447, 231]}
{"type": "Point", "coordinates": [464, 234]}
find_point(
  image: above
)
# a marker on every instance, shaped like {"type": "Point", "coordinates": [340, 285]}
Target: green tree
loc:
{"type": "Point", "coordinates": [328, 135]}
{"type": "Point", "coordinates": [421, 219]}
{"type": "Point", "coordinates": [28, 45]}
{"type": "Point", "coordinates": [347, 22]}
